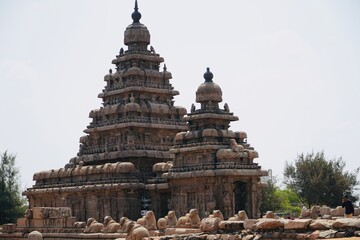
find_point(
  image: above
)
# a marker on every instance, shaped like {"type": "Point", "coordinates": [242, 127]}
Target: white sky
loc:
{"type": "Point", "coordinates": [289, 69]}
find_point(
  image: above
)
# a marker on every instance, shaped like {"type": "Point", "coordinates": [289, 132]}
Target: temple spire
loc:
{"type": "Point", "coordinates": [136, 15]}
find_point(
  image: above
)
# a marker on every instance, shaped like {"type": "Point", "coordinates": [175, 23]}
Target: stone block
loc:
{"type": "Point", "coordinates": [356, 211]}
{"type": "Point", "coordinates": [324, 211]}
{"type": "Point", "coordinates": [70, 221]}
{"type": "Point", "coordinates": [297, 224]}
{"type": "Point", "coordinates": [269, 224]}
{"type": "Point", "coordinates": [37, 212]}
{"type": "Point", "coordinates": [9, 228]}
{"type": "Point", "coordinates": [21, 222]}
{"type": "Point", "coordinates": [250, 224]}
{"type": "Point", "coordinates": [231, 225]}
{"type": "Point", "coordinates": [313, 235]}
{"type": "Point", "coordinates": [37, 223]}
{"type": "Point", "coordinates": [346, 223]}
{"type": "Point", "coordinates": [340, 211]}
{"type": "Point", "coordinates": [320, 224]}
{"type": "Point", "coordinates": [178, 231]}
{"type": "Point", "coordinates": [333, 212]}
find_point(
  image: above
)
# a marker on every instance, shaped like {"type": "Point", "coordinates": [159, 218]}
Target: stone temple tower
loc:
{"type": "Point", "coordinates": [141, 152]}
{"type": "Point", "coordinates": [133, 131]}
{"type": "Point", "coordinates": [213, 166]}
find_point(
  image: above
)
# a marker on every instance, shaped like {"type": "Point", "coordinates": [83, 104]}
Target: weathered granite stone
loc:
{"type": "Point", "coordinates": [250, 224]}
{"type": "Point", "coordinates": [35, 235]}
{"type": "Point", "coordinates": [315, 212]}
{"type": "Point", "coordinates": [231, 225]}
{"type": "Point", "coordinates": [324, 210]}
{"type": "Point", "coordinates": [320, 224]}
{"type": "Point", "coordinates": [9, 228]}
{"type": "Point", "coordinates": [356, 211]}
{"type": "Point", "coordinates": [21, 222]}
{"type": "Point", "coordinates": [270, 214]}
{"type": "Point", "coordinates": [314, 235]}
{"type": "Point", "coordinates": [269, 224]}
{"type": "Point", "coordinates": [340, 211]}
{"type": "Point", "coordinates": [297, 224]}
{"type": "Point", "coordinates": [181, 231]}
{"type": "Point", "coordinates": [346, 223]}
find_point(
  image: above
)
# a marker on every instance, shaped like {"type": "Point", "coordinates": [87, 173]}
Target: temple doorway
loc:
{"type": "Point", "coordinates": [241, 196]}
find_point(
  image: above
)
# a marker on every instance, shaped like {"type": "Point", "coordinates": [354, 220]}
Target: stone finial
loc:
{"type": "Point", "coordinates": [136, 16]}
{"type": "Point", "coordinates": [35, 235]}
{"type": "Point", "coordinates": [208, 75]}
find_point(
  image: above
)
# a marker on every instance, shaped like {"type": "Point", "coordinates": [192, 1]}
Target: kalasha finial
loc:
{"type": "Point", "coordinates": [136, 15]}
{"type": "Point", "coordinates": [208, 75]}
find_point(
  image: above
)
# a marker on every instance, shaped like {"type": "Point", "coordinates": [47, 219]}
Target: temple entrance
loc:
{"type": "Point", "coordinates": [164, 203]}
{"type": "Point", "coordinates": [241, 196]}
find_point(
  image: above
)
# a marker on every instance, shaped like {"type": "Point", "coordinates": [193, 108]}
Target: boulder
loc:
{"type": "Point", "coordinates": [320, 224]}
{"type": "Point", "coordinates": [250, 224]}
{"type": "Point", "coordinates": [231, 225]}
{"type": "Point", "coordinates": [269, 224]}
{"type": "Point", "coordinates": [35, 235]}
{"type": "Point", "coordinates": [297, 224]}
{"type": "Point", "coordinates": [346, 223]}
{"type": "Point", "coordinates": [324, 211]}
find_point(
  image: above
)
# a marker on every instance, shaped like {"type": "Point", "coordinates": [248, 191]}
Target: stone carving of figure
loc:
{"type": "Point", "coordinates": [152, 49]}
{"type": "Point", "coordinates": [93, 226]}
{"type": "Point", "coordinates": [190, 220]}
{"type": "Point", "coordinates": [209, 106]}
{"type": "Point", "coordinates": [121, 52]}
{"type": "Point", "coordinates": [227, 203]}
{"type": "Point", "coordinates": [211, 223]}
{"type": "Point", "coordinates": [240, 216]}
{"type": "Point", "coordinates": [28, 215]}
{"type": "Point", "coordinates": [44, 213]}
{"type": "Point", "coordinates": [64, 213]}
{"type": "Point", "coordinates": [226, 107]}
{"type": "Point", "coordinates": [150, 221]}
{"type": "Point", "coordinates": [110, 225]}
{"type": "Point", "coordinates": [168, 221]}
{"type": "Point", "coordinates": [192, 108]}
{"type": "Point", "coordinates": [136, 231]}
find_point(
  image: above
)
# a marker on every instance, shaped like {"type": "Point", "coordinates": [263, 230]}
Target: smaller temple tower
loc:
{"type": "Point", "coordinates": [213, 166]}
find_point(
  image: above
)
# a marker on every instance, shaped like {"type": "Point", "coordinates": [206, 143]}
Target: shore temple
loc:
{"type": "Point", "coordinates": [142, 152]}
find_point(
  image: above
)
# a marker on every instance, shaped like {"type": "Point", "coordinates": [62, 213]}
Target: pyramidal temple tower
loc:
{"type": "Point", "coordinates": [141, 152]}
{"type": "Point", "coordinates": [217, 161]}
{"type": "Point", "coordinates": [128, 135]}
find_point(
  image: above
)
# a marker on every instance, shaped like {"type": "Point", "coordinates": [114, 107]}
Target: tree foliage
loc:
{"type": "Point", "coordinates": [318, 181]}
{"type": "Point", "coordinates": [283, 201]}
{"type": "Point", "coordinates": [11, 202]}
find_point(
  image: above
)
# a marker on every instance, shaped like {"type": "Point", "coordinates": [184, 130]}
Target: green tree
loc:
{"type": "Point", "coordinates": [281, 201]}
{"type": "Point", "coordinates": [318, 181]}
{"type": "Point", "coordinates": [269, 200]}
{"type": "Point", "coordinates": [11, 202]}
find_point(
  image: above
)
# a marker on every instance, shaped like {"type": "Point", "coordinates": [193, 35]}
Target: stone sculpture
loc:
{"type": "Point", "coordinates": [136, 231]}
{"type": "Point", "coordinates": [110, 225]}
{"type": "Point", "coordinates": [190, 220]}
{"type": "Point", "coordinates": [211, 223]}
{"type": "Point", "coordinates": [122, 223]}
{"type": "Point", "coordinates": [240, 216]}
{"type": "Point", "coordinates": [35, 235]}
{"type": "Point", "coordinates": [150, 221]}
{"type": "Point", "coordinates": [93, 226]}
{"type": "Point", "coordinates": [168, 221]}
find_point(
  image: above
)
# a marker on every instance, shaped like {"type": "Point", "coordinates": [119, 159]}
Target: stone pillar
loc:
{"type": "Point", "coordinates": [91, 206]}
{"type": "Point", "coordinates": [107, 204]}
{"type": "Point", "coordinates": [254, 198]}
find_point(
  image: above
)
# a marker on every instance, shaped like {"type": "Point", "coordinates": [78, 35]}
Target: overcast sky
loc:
{"type": "Point", "coordinates": [289, 69]}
